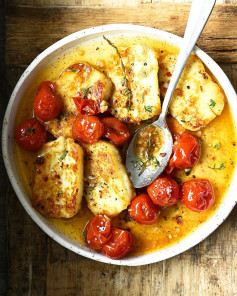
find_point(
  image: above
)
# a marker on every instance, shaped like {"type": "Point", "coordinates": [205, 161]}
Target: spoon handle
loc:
{"type": "Point", "coordinates": [198, 16]}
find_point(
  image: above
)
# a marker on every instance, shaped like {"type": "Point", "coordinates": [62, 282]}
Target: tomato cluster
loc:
{"type": "Point", "coordinates": [87, 127]}
{"type": "Point", "coordinates": [99, 234]}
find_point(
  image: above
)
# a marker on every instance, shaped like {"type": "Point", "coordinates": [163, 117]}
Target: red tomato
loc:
{"type": "Point", "coordinates": [197, 195]}
{"type": "Point", "coordinates": [47, 104]}
{"type": "Point", "coordinates": [30, 134]}
{"type": "Point", "coordinates": [164, 191]}
{"type": "Point", "coordinates": [86, 106]}
{"type": "Point", "coordinates": [115, 130]}
{"type": "Point", "coordinates": [87, 129]}
{"type": "Point", "coordinates": [98, 232]}
{"type": "Point", "coordinates": [143, 209]}
{"type": "Point", "coordinates": [186, 152]}
{"type": "Point", "coordinates": [120, 243]}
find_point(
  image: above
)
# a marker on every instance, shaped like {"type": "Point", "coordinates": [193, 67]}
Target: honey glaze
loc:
{"type": "Point", "coordinates": [217, 162]}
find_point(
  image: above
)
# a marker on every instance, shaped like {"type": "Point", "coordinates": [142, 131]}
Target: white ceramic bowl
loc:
{"type": "Point", "coordinates": [8, 143]}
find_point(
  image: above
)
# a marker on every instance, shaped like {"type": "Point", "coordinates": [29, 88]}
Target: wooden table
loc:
{"type": "Point", "coordinates": [37, 265]}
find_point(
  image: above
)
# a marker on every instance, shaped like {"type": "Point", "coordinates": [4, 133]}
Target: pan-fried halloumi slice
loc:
{"type": "Point", "coordinates": [197, 99]}
{"type": "Point", "coordinates": [84, 81]}
{"type": "Point", "coordinates": [136, 96]}
{"type": "Point", "coordinates": [58, 187]}
{"type": "Point", "coordinates": [108, 189]}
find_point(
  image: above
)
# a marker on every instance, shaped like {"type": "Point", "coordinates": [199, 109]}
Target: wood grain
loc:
{"type": "Point", "coordinates": [39, 266]}
{"type": "Point", "coordinates": [219, 38]}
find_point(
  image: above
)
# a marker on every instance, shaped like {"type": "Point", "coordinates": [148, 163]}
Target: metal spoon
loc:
{"type": "Point", "coordinates": [143, 176]}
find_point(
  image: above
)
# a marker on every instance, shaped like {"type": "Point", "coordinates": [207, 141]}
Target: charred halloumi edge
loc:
{"type": "Point", "coordinates": [108, 189]}
{"type": "Point", "coordinates": [197, 99]}
{"type": "Point", "coordinates": [136, 96]}
{"type": "Point", "coordinates": [84, 79]}
{"type": "Point", "coordinates": [58, 187]}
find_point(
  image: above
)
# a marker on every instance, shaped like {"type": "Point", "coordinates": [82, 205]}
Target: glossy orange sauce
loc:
{"type": "Point", "coordinates": [176, 222]}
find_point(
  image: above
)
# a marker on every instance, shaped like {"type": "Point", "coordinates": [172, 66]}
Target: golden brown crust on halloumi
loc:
{"type": "Point", "coordinates": [108, 189]}
{"type": "Point", "coordinates": [197, 99]}
{"type": "Point", "coordinates": [79, 80]}
{"type": "Point", "coordinates": [58, 187]}
{"type": "Point", "coordinates": [141, 68]}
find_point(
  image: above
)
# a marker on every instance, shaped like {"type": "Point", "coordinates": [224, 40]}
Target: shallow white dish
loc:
{"type": "Point", "coordinates": [8, 143]}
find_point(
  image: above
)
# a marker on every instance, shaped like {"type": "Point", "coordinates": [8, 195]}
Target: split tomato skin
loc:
{"type": "Point", "coordinates": [115, 130]}
{"type": "Point", "coordinates": [87, 129]}
{"type": "Point", "coordinates": [164, 191]}
{"type": "Point", "coordinates": [47, 103]}
{"type": "Point", "coordinates": [119, 245]}
{"type": "Point", "coordinates": [86, 106]}
{"type": "Point", "coordinates": [30, 134]}
{"type": "Point", "coordinates": [98, 232]}
{"type": "Point", "coordinates": [186, 152]}
{"type": "Point", "coordinates": [197, 195]}
{"type": "Point", "coordinates": [143, 210]}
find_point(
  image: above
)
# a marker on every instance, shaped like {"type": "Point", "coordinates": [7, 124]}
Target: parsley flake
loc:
{"type": "Point", "coordinates": [63, 155]}
{"type": "Point", "coordinates": [217, 145]}
{"type": "Point", "coordinates": [148, 108]}
{"type": "Point", "coordinates": [30, 130]}
{"type": "Point", "coordinates": [212, 103]}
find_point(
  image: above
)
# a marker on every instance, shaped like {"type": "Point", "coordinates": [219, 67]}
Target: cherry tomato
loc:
{"type": "Point", "coordinates": [120, 243]}
{"type": "Point", "coordinates": [197, 195]}
{"type": "Point", "coordinates": [143, 210]}
{"type": "Point", "coordinates": [86, 106]}
{"type": "Point", "coordinates": [87, 129]}
{"type": "Point", "coordinates": [30, 134]}
{"type": "Point", "coordinates": [98, 232]}
{"type": "Point", "coordinates": [164, 191]}
{"type": "Point", "coordinates": [47, 104]}
{"type": "Point", "coordinates": [115, 130]}
{"type": "Point", "coordinates": [186, 152]}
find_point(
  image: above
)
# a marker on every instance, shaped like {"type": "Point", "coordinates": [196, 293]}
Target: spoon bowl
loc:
{"type": "Point", "coordinates": [141, 175]}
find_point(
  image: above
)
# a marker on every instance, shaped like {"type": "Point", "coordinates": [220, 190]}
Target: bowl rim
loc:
{"type": "Point", "coordinates": [184, 244]}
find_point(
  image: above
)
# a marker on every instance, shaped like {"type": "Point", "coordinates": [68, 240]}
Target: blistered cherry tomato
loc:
{"type": "Point", "coordinates": [186, 152]}
{"type": "Point", "coordinates": [98, 232]}
{"type": "Point", "coordinates": [115, 130]}
{"type": "Point", "coordinates": [47, 103]}
{"type": "Point", "coordinates": [120, 243]}
{"type": "Point", "coordinates": [143, 210]}
{"type": "Point", "coordinates": [86, 106]}
{"type": "Point", "coordinates": [30, 134]}
{"type": "Point", "coordinates": [197, 195]}
{"type": "Point", "coordinates": [87, 129]}
{"type": "Point", "coordinates": [164, 191]}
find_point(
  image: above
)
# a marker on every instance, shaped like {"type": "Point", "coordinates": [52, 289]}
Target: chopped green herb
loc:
{"type": "Point", "coordinates": [129, 69]}
{"type": "Point", "coordinates": [158, 213]}
{"type": "Point", "coordinates": [76, 71]}
{"type": "Point", "coordinates": [138, 164]}
{"type": "Point", "coordinates": [221, 166]}
{"type": "Point", "coordinates": [85, 90]}
{"type": "Point", "coordinates": [85, 237]}
{"type": "Point", "coordinates": [212, 103]}
{"type": "Point", "coordinates": [30, 130]}
{"type": "Point", "coordinates": [148, 108]}
{"type": "Point", "coordinates": [90, 177]}
{"type": "Point", "coordinates": [183, 120]}
{"type": "Point", "coordinates": [199, 141]}
{"type": "Point", "coordinates": [127, 92]}
{"type": "Point", "coordinates": [217, 145]}
{"type": "Point", "coordinates": [143, 97]}
{"type": "Point", "coordinates": [63, 155]}
{"type": "Point", "coordinates": [176, 209]}
{"type": "Point", "coordinates": [156, 162]}
{"type": "Point", "coordinates": [129, 210]}
{"type": "Point", "coordinates": [155, 133]}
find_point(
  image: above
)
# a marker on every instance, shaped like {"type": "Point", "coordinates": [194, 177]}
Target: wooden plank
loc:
{"type": "Point", "coordinates": [101, 2]}
{"type": "Point", "coordinates": [37, 28]}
